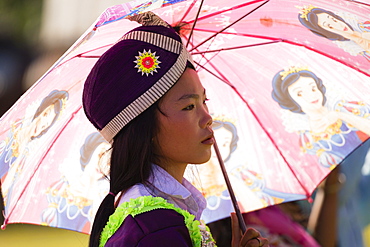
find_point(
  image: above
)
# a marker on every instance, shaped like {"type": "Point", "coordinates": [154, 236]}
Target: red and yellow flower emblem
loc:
{"type": "Point", "coordinates": [147, 62]}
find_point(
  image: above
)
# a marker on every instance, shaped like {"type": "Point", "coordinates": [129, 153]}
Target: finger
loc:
{"type": "Point", "coordinates": [250, 235]}
{"type": "Point", "coordinates": [236, 233]}
{"type": "Point", "coordinates": [264, 242]}
{"type": "Point", "coordinates": [257, 242]}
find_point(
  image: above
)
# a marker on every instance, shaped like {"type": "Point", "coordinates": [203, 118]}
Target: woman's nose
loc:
{"type": "Point", "coordinates": [207, 119]}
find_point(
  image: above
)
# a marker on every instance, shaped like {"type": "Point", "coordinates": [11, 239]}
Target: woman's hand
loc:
{"type": "Point", "coordinates": [251, 238]}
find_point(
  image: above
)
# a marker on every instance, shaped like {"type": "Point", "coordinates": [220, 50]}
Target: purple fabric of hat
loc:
{"type": "Point", "coordinates": [133, 74]}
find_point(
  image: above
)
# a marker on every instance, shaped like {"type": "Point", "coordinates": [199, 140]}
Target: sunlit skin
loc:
{"type": "Point", "coordinates": [186, 137]}
{"type": "Point", "coordinates": [43, 121]}
{"type": "Point", "coordinates": [185, 134]}
{"type": "Point", "coordinates": [211, 171]}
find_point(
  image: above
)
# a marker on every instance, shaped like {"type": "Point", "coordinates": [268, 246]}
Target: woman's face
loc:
{"type": "Point", "coordinates": [332, 24]}
{"type": "Point", "coordinates": [43, 121]}
{"type": "Point", "coordinates": [185, 135]}
{"type": "Point", "coordinates": [306, 94]}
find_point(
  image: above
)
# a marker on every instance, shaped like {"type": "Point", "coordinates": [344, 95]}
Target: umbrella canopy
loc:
{"type": "Point", "coordinates": [245, 51]}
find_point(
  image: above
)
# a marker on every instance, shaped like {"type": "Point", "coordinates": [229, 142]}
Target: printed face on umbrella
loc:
{"type": "Point", "coordinates": [99, 163]}
{"type": "Point", "coordinates": [306, 94]}
{"type": "Point", "coordinates": [226, 135]}
{"type": "Point", "coordinates": [43, 121]}
{"type": "Point", "coordinates": [331, 24]}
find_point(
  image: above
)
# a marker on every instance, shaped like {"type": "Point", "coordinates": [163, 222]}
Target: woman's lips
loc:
{"type": "Point", "coordinates": [209, 141]}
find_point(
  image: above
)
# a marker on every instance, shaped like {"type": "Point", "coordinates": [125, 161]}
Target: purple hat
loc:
{"type": "Point", "coordinates": [133, 74]}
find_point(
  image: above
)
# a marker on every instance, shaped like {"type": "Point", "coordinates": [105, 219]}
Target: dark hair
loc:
{"type": "Point", "coordinates": [281, 94]}
{"type": "Point", "coordinates": [132, 155]}
{"type": "Point", "coordinates": [55, 98]}
{"type": "Point", "coordinates": [311, 23]}
{"type": "Point", "coordinates": [217, 124]}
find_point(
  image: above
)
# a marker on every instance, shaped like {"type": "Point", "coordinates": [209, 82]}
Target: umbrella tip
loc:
{"type": "Point", "coordinates": [148, 19]}
{"type": "Point", "coordinates": [182, 28]}
{"type": "Point", "coordinates": [3, 226]}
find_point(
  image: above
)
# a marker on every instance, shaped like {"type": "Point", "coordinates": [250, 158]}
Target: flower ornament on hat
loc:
{"type": "Point", "coordinates": [133, 74]}
{"type": "Point", "coordinates": [147, 62]}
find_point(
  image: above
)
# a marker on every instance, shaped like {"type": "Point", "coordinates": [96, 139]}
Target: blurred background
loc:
{"type": "Point", "coordinates": [33, 35]}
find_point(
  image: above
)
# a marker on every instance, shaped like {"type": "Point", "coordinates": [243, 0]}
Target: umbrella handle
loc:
{"type": "Point", "coordinates": [242, 225]}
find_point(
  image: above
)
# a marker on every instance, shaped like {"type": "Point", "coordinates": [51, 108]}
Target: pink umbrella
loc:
{"type": "Point", "coordinates": [241, 49]}
{"type": "Point", "coordinates": [52, 160]}
{"type": "Point", "coordinates": [244, 51]}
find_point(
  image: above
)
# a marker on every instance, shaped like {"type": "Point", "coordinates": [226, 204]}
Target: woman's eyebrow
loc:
{"type": "Point", "coordinates": [191, 96]}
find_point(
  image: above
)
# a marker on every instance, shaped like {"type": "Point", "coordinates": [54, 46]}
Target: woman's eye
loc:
{"type": "Point", "coordinates": [189, 107]}
{"type": "Point", "coordinates": [329, 26]}
{"type": "Point", "coordinates": [299, 94]}
{"type": "Point", "coordinates": [314, 89]}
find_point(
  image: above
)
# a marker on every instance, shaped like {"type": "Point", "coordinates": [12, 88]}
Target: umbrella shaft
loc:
{"type": "Point", "coordinates": [242, 225]}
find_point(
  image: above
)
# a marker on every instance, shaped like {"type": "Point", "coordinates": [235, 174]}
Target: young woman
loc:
{"type": "Point", "coordinates": [145, 97]}
{"type": "Point", "coordinates": [346, 31]}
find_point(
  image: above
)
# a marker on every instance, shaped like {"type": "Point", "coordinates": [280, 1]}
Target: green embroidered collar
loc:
{"type": "Point", "coordinates": [199, 232]}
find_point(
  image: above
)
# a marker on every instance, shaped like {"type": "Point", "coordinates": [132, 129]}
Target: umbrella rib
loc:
{"type": "Point", "coordinates": [292, 43]}
{"type": "Point", "coordinates": [203, 56]}
{"type": "Point", "coordinates": [82, 56]}
{"type": "Point", "coordinates": [58, 63]}
{"type": "Point", "coordinates": [235, 47]}
{"type": "Point", "coordinates": [229, 9]}
{"type": "Point", "coordinates": [326, 55]}
{"type": "Point", "coordinates": [238, 34]}
{"type": "Point", "coordinates": [41, 160]}
{"type": "Point", "coordinates": [188, 11]}
{"type": "Point", "coordinates": [212, 73]}
{"type": "Point", "coordinates": [195, 22]}
{"type": "Point", "coordinates": [228, 26]}
{"type": "Point", "coordinates": [273, 142]}
{"type": "Point", "coordinates": [362, 3]}
{"type": "Point", "coordinates": [259, 122]}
